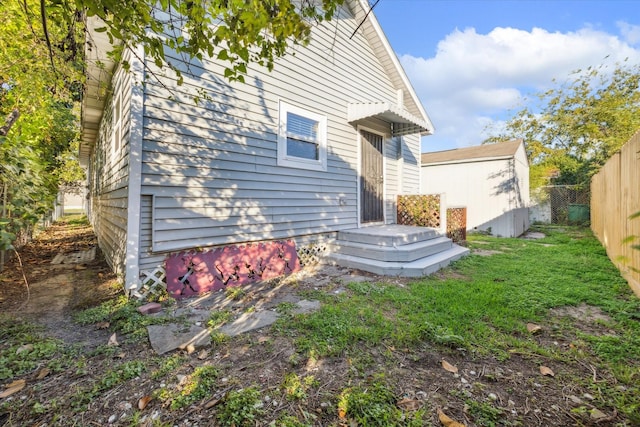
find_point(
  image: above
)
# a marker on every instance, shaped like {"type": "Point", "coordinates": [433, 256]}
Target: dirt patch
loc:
{"type": "Point", "coordinates": [584, 318]}
{"type": "Point", "coordinates": [53, 291]}
{"type": "Point", "coordinates": [583, 313]}
{"type": "Point", "coordinates": [447, 273]}
{"type": "Point", "coordinates": [484, 391]}
{"type": "Point", "coordinates": [485, 252]}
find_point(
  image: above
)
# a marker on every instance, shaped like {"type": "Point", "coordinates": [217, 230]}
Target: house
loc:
{"type": "Point", "coordinates": [491, 181]}
{"type": "Point", "coordinates": [321, 145]}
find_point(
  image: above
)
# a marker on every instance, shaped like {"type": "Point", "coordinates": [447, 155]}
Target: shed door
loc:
{"type": "Point", "coordinates": [371, 178]}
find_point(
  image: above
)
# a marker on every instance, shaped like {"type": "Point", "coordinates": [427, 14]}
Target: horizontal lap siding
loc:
{"type": "Point", "coordinates": [212, 167]}
{"type": "Point", "coordinates": [109, 177]}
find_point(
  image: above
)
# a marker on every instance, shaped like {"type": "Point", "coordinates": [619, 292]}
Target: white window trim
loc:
{"type": "Point", "coordinates": [297, 162]}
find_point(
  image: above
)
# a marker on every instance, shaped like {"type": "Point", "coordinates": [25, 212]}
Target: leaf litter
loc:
{"type": "Point", "coordinates": [421, 378]}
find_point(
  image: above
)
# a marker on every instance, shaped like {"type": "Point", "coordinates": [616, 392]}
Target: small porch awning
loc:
{"type": "Point", "coordinates": [402, 122]}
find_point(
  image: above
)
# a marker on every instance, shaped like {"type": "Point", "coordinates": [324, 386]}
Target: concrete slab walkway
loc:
{"type": "Point", "coordinates": [252, 307]}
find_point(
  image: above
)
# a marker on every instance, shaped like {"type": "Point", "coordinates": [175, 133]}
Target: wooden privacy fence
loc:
{"type": "Point", "coordinates": [615, 198]}
{"type": "Point", "coordinates": [424, 210]}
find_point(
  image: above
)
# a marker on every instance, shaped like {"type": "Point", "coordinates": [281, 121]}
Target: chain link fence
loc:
{"type": "Point", "coordinates": [561, 204]}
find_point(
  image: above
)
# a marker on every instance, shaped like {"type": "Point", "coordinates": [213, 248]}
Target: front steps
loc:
{"type": "Point", "coordinates": [395, 250]}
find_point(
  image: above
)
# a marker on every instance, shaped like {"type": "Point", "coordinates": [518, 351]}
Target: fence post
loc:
{"type": "Point", "coordinates": [443, 214]}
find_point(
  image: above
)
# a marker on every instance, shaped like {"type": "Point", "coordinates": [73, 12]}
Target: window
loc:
{"type": "Point", "coordinates": [302, 138]}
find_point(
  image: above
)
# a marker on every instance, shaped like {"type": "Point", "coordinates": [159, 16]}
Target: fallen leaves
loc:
{"type": "Point", "coordinates": [211, 403]}
{"type": "Point", "coordinates": [342, 414]}
{"type": "Point", "coordinates": [113, 341]}
{"type": "Point", "coordinates": [409, 404]}
{"type": "Point", "coordinates": [449, 367]}
{"type": "Point", "coordinates": [143, 402]}
{"type": "Point", "coordinates": [546, 371]}
{"type": "Point", "coordinates": [448, 421]}
{"type": "Point", "coordinates": [42, 373]}
{"type": "Point", "coordinates": [24, 348]}
{"type": "Point", "coordinates": [13, 388]}
{"type": "Point", "coordinates": [103, 325]}
{"type": "Point", "coordinates": [533, 328]}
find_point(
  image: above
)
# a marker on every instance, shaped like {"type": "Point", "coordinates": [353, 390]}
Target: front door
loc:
{"type": "Point", "coordinates": [371, 178]}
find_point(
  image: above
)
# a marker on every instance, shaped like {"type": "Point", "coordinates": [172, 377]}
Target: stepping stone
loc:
{"type": "Point", "coordinates": [533, 235]}
{"type": "Point", "coordinates": [75, 257]}
{"type": "Point", "coordinates": [249, 322]}
{"type": "Point", "coordinates": [168, 337]}
{"type": "Point", "coordinates": [306, 307]}
{"type": "Point", "coordinates": [354, 278]}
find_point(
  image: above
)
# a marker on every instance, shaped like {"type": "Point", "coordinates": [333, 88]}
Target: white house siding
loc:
{"type": "Point", "coordinates": [495, 192]}
{"type": "Point", "coordinates": [212, 167]}
{"type": "Point", "coordinates": [108, 177]}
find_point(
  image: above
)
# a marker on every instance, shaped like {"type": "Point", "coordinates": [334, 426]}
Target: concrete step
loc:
{"type": "Point", "coordinates": [404, 253]}
{"type": "Point", "coordinates": [420, 267]}
{"type": "Point", "coordinates": [388, 235]}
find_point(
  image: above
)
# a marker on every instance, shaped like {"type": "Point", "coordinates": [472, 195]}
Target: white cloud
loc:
{"type": "Point", "coordinates": [474, 78]}
{"type": "Point", "coordinates": [631, 33]}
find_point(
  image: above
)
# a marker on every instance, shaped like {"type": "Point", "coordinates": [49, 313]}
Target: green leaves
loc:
{"type": "Point", "coordinates": [578, 124]}
{"type": "Point", "coordinates": [35, 154]}
{"type": "Point", "coordinates": [247, 31]}
{"type": "Point", "coordinates": [41, 84]}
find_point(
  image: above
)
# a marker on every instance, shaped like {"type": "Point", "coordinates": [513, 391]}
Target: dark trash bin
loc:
{"type": "Point", "coordinates": [578, 214]}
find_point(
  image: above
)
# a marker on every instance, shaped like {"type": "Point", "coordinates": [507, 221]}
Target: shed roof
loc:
{"type": "Point", "coordinates": [496, 151]}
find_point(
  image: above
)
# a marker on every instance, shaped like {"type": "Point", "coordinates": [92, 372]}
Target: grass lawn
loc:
{"type": "Point", "coordinates": [520, 333]}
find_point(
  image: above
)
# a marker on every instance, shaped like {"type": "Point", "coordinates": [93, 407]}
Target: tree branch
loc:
{"type": "Point", "coordinates": [43, 16]}
{"type": "Point", "coordinates": [11, 119]}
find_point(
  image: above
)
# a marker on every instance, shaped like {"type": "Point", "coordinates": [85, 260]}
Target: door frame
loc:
{"type": "Point", "coordinates": [360, 128]}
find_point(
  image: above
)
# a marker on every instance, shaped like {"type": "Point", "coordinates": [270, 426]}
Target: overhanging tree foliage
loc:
{"type": "Point", "coordinates": [236, 32]}
{"type": "Point", "coordinates": [578, 124]}
{"type": "Point", "coordinates": [38, 87]}
{"type": "Point", "coordinates": [41, 73]}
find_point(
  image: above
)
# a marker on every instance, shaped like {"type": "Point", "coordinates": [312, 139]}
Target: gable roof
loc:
{"type": "Point", "coordinates": [501, 150]}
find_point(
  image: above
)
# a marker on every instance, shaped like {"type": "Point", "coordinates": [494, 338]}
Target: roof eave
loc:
{"type": "Point", "coordinates": [98, 72]}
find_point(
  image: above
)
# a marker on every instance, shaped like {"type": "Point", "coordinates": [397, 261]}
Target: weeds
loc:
{"type": "Point", "coordinates": [219, 318]}
{"type": "Point", "coordinates": [23, 347]}
{"type": "Point", "coordinates": [241, 408]}
{"type": "Point", "coordinates": [374, 404]}
{"type": "Point", "coordinates": [124, 372]}
{"type": "Point", "coordinates": [485, 414]}
{"type": "Point", "coordinates": [235, 293]}
{"type": "Point", "coordinates": [121, 315]}
{"type": "Point", "coordinates": [295, 388]}
{"type": "Point", "coordinates": [193, 389]}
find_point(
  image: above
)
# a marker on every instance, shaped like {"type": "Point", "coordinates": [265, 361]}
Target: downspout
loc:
{"type": "Point", "coordinates": [132, 259]}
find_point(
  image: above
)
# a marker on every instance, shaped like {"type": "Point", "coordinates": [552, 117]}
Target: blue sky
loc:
{"type": "Point", "coordinates": [474, 62]}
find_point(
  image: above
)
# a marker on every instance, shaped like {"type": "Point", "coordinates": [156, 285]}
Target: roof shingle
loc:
{"type": "Point", "coordinates": [487, 151]}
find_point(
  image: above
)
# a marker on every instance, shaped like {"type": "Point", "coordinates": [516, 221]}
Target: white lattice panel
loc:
{"type": "Point", "coordinates": [153, 282]}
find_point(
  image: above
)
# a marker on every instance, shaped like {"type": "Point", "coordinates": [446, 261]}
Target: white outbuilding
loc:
{"type": "Point", "coordinates": [491, 181]}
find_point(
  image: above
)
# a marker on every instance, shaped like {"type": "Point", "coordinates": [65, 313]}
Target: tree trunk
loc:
{"type": "Point", "coordinates": [11, 119]}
